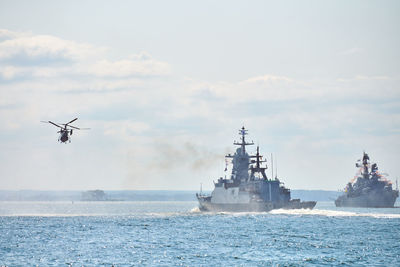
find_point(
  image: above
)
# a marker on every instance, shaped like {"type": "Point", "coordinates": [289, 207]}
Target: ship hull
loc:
{"type": "Point", "coordinates": [205, 204]}
{"type": "Point", "coordinates": [382, 200]}
{"type": "Point", "coordinates": [240, 207]}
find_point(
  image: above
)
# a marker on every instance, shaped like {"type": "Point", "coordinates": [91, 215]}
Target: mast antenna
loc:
{"type": "Point", "coordinates": [272, 167]}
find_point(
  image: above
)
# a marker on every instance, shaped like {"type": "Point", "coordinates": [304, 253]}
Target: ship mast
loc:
{"type": "Point", "coordinates": [241, 160]}
{"type": "Point", "coordinates": [365, 163]}
{"type": "Point", "coordinates": [243, 144]}
{"type": "Point", "coordinates": [258, 167]}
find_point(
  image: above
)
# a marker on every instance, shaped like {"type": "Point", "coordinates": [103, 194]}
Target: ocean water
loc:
{"type": "Point", "coordinates": [177, 234]}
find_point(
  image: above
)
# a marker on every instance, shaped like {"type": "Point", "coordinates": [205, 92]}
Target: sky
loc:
{"type": "Point", "coordinates": [166, 85]}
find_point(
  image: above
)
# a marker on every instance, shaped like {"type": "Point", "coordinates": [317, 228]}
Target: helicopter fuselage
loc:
{"type": "Point", "coordinates": [63, 136]}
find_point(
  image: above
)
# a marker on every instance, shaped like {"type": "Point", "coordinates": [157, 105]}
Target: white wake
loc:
{"type": "Point", "coordinates": [333, 213]}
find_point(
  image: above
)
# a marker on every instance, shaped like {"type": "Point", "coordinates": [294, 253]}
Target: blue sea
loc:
{"type": "Point", "coordinates": [177, 234]}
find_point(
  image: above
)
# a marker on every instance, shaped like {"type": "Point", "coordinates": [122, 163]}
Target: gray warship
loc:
{"type": "Point", "coordinates": [368, 189]}
{"type": "Point", "coordinates": [248, 189]}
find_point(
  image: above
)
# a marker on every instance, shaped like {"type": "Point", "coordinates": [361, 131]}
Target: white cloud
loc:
{"type": "Point", "coordinates": [137, 108]}
{"type": "Point", "coordinates": [25, 55]}
{"type": "Point", "coordinates": [29, 46]}
{"type": "Point", "coordinates": [280, 88]}
{"type": "Point", "coordinates": [7, 34]}
{"type": "Point", "coordinates": [11, 72]}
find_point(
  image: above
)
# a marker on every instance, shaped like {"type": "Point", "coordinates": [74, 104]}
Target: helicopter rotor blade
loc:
{"type": "Point", "coordinates": [77, 128]}
{"type": "Point", "coordinates": [73, 127]}
{"type": "Point", "coordinates": [52, 123]}
{"type": "Point", "coordinates": [71, 121]}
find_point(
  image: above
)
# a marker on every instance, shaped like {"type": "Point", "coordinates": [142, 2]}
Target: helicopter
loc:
{"type": "Point", "coordinates": [64, 131]}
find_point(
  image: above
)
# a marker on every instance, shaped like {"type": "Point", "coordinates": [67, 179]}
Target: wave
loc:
{"type": "Point", "coordinates": [304, 212]}
{"type": "Point", "coordinates": [55, 215]}
{"type": "Point", "coordinates": [195, 210]}
{"type": "Point", "coordinates": [333, 213]}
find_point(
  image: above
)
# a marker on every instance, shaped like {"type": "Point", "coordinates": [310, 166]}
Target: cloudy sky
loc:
{"type": "Point", "coordinates": [165, 86]}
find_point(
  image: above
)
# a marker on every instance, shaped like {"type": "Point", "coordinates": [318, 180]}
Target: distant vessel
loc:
{"type": "Point", "coordinates": [94, 195]}
{"type": "Point", "coordinates": [370, 189]}
{"type": "Point", "coordinates": [249, 189]}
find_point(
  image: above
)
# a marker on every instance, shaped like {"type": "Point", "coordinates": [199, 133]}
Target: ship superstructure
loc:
{"type": "Point", "coordinates": [369, 188]}
{"type": "Point", "coordinates": [248, 188]}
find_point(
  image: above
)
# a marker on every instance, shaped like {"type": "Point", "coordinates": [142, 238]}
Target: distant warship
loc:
{"type": "Point", "coordinates": [248, 189]}
{"type": "Point", "coordinates": [370, 189]}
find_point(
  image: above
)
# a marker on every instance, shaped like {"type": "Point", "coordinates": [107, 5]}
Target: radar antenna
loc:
{"type": "Point", "coordinates": [243, 143]}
